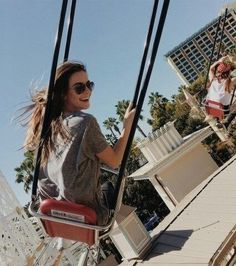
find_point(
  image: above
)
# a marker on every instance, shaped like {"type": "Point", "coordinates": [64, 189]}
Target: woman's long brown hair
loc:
{"type": "Point", "coordinates": [37, 109]}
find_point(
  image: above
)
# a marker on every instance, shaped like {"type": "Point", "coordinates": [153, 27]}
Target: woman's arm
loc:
{"type": "Point", "coordinates": [113, 156]}
{"type": "Point", "coordinates": [213, 66]}
{"type": "Point", "coordinates": [212, 70]}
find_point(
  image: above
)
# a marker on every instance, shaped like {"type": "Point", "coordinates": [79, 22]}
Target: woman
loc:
{"type": "Point", "coordinates": [74, 146]}
{"type": "Point", "coordinates": [220, 83]}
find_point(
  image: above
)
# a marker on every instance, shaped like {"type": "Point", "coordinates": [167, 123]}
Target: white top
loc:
{"type": "Point", "coordinates": [217, 93]}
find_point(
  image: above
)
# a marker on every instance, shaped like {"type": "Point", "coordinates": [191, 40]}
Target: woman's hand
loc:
{"type": "Point", "coordinates": [113, 156]}
{"type": "Point", "coordinates": [129, 117]}
{"type": "Point", "coordinates": [223, 58]}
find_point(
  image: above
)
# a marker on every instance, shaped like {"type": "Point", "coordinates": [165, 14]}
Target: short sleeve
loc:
{"type": "Point", "coordinates": [94, 141]}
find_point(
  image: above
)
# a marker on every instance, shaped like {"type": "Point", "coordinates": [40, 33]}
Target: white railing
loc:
{"type": "Point", "coordinates": [23, 240]}
{"type": "Point", "coordinates": [160, 143]}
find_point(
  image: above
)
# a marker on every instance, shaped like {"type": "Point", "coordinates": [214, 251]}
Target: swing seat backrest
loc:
{"type": "Point", "coordinates": [214, 109]}
{"type": "Point", "coordinates": [69, 211]}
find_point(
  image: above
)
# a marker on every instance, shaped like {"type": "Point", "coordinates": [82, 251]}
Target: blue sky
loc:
{"type": "Point", "coordinates": [108, 36]}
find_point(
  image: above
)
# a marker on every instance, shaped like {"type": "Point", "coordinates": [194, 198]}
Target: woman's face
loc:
{"type": "Point", "coordinates": [76, 100]}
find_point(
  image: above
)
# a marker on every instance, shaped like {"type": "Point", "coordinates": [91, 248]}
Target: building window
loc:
{"type": "Point", "coordinates": [196, 53]}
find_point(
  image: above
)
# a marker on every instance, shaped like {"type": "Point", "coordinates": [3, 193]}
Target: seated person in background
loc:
{"type": "Point", "coordinates": [221, 84]}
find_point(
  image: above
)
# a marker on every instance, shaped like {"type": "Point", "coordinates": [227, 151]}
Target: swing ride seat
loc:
{"type": "Point", "coordinates": [70, 220]}
{"type": "Point", "coordinates": [73, 212]}
{"type": "Point", "coordinates": [214, 109]}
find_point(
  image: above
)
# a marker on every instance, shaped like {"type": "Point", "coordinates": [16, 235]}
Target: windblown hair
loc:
{"type": "Point", "coordinates": [37, 110]}
{"type": "Point", "coordinates": [228, 81]}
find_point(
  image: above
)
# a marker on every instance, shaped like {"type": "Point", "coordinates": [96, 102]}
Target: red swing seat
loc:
{"type": "Point", "coordinates": [70, 211]}
{"type": "Point", "coordinates": [214, 109]}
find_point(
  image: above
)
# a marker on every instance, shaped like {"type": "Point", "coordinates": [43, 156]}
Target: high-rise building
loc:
{"type": "Point", "coordinates": [189, 58]}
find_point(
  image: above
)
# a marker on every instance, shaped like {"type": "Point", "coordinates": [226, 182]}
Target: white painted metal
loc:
{"type": "Point", "coordinates": [129, 234]}
{"type": "Point", "coordinates": [23, 241]}
{"type": "Point", "coordinates": [8, 201]}
{"type": "Point", "coordinates": [200, 229]}
{"type": "Point", "coordinates": [160, 143]}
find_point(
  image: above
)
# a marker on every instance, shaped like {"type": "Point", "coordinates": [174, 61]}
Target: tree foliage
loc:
{"type": "Point", "coordinates": [161, 110]}
{"type": "Point", "coordinates": [121, 107]}
{"type": "Point", "coordinates": [111, 124]}
{"type": "Point", "coordinates": [24, 173]}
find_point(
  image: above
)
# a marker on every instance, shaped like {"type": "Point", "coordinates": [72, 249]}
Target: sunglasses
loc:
{"type": "Point", "coordinates": [81, 87]}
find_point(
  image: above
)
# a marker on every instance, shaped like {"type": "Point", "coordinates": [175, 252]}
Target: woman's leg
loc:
{"type": "Point", "coordinates": [108, 193]}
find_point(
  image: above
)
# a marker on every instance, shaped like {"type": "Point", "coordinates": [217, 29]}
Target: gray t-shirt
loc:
{"type": "Point", "coordinates": [72, 172]}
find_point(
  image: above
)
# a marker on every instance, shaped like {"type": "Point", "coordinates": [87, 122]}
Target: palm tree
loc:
{"type": "Point", "coordinates": [111, 139]}
{"type": "Point", "coordinates": [114, 124]}
{"type": "Point", "coordinates": [120, 111]}
{"type": "Point", "coordinates": [116, 128]}
{"type": "Point", "coordinates": [24, 173]}
{"type": "Point", "coordinates": [161, 110]}
{"type": "Point", "coordinates": [158, 101]}
{"type": "Point", "coordinates": [109, 125]}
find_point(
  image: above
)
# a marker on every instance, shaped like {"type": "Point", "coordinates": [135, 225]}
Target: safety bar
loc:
{"type": "Point", "coordinates": [214, 107]}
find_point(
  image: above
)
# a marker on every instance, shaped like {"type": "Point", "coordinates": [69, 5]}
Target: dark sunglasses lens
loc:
{"type": "Point", "coordinates": [90, 85]}
{"type": "Point", "coordinates": [80, 88]}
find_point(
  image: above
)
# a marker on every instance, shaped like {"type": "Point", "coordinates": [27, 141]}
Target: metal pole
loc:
{"type": "Point", "coordinates": [141, 100]}
{"type": "Point", "coordinates": [222, 33]}
{"type": "Point", "coordinates": [47, 119]}
{"type": "Point", "coordinates": [212, 52]}
{"type": "Point", "coordinates": [69, 32]}
{"type": "Point", "coordinates": [145, 52]}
